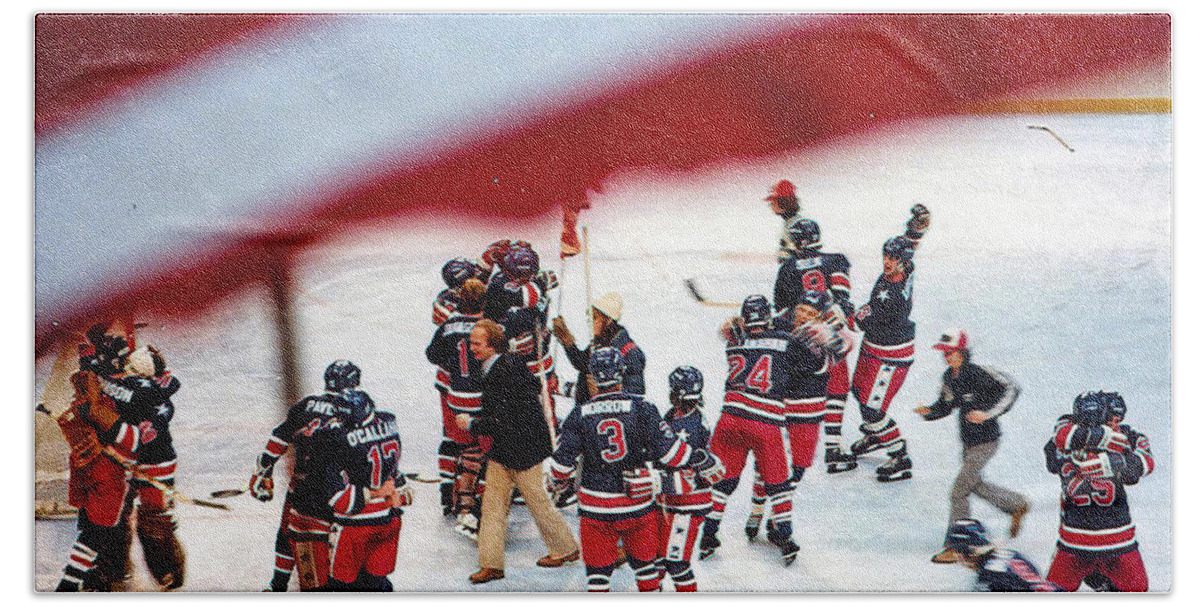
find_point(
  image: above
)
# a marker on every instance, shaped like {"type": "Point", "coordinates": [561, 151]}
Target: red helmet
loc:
{"type": "Point", "coordinates": [782, 189]}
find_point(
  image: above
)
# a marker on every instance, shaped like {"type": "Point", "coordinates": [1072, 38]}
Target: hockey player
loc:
{"type": "Point", "coordinates": [685, 498]}
{"type": "Point", "coordinates": [887, 350]}
{"type": "Point", "coordinates": [519, 303]}
{"type": "Point", "coordinates": [981, 394]}
{"type": "Point", "coordinates": [996, 569]}
{"type": "Point", "coordinates": [103, 451]}
{"type": "Point", "coordinates": [367, 493]}
{"type": "Point", "coordinates": [143, 397]}
{"type": "Point", "coordinates": [458, 379]}
{"type": "Point", "coordinates": [302, 541]}
{"type": "Point", "coordinates": [809, 270]}
{"type": "Point", "coordinates": [786, 205]}
{"type": "Point", "coordinates": [820, 328]}
{"type": "Point", "coordinates": [454, 273]}
{"type": "Point", "coordinates": [761, 363]}
{"type": "Point", "coordinates": [1096, 457]}
{"type": "Point", "coordinates": [612, 437]}
{"type": "Point", "coordinates": [607, 331]}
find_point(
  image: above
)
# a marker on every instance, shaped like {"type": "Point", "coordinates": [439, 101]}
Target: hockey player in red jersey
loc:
{"type": "Point", "coordinates": [887, 350]}
{"type": "Point", "coordinates": [458, 385]}
{"type": "Point", "coordinates": [1096, 456]}
{"type": "Point", "coordinates": [103, 451]}
{"type": "Point", "coordinates": [612, 438]}
{"type": "Point", "coordinates": [302, 541]}
{"type": "Point", "coordinates": [809, 270]}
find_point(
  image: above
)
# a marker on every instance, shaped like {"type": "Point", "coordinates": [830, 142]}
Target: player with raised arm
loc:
{"type": "Point", "coordinates": [753, 420]}
{"type": "Point", "coordinates": [685, 497]}
{"type": "Point", "coordinates": [1096, 456]}
{"type": "Point", "coordinates": [786, 205]}
{"type": "Point", "coordinates": [996, 569]}
{"type": "Point", "coordinates": [887, 350]}
{"type": "Point", "coordinates": [459, 386]}
{"type": "Point", "coordinates": [612, 438]}
{"type": "Point", "coordinates": [809, 270]}
{"type": "Point", "coordinates": [366, 493]}
{"type": "Point", "coordinates": [302, 541]}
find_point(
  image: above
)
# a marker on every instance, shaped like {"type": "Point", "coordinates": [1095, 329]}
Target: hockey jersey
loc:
{"type": "Point", "coordinates": [1094, 518]}
{"type": "Point", "coordinates": [1007, 570]}
{"type": "Point", "coordinates": [450, 351]}
{"type": "Point", "coordinates": [808, 271]}
{"type": "Point", "coordinates": [683, 491]}
{"type": "Point", "coordinates": [761, 368]}
{"type": "Point", "coordinates": [610, 434]}
{"type": "Point", "coordinates": [888, 332]}
{"type": "Point", "coordinates": [150, 408]}
{"type": "Point", "coordinates": [363, 458]}
{"type": "Point", "coordinates": [308, 487]}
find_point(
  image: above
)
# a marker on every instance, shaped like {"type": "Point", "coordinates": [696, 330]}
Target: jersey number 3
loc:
{"type": "Point", "coordinates": [615, 432]}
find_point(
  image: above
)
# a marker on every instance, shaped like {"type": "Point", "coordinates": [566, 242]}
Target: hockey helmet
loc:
{"type": "Point", "coordinates": [687, 384]}
{"type": "Point", "coordinates": [804, 233]}
{"type": "Point", "coordinates": [457, 271]}
{"type": "Point", "coordinates": [606, 366]}
{"type": "Point", "coordinates": [900, 248]}
{"type": "Point", "coordinates": [756, 311]}
{"type": "Point", "coordinates": [357, 407]}
{"type": "Point", "coordinates": [341, 375]}
{"type": "Point", "coordinates": [1090, 408]}
{"type": "Point", "coordinates": [1116, 406]}
{"type": "Point", "coordinates": [520, 264]}
{"type": "Point", "coordinates": [968, 537]}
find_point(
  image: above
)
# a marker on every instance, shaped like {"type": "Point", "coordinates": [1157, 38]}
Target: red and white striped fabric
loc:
{"type": "Point", "coordinates": [213, 136]}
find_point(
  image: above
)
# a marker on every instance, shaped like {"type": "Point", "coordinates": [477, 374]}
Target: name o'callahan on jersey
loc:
{"type": "Point", "coordinates": [376, 432]}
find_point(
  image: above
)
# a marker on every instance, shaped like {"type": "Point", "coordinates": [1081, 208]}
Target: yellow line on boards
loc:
{"type": "Point", "coordinates": [1112, 105]}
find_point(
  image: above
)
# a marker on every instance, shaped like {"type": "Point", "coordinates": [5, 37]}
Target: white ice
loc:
{"type": "Point", "coordinates": [1058, 264]}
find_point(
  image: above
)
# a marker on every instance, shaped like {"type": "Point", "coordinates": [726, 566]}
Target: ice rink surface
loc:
{"type": "Point", "coordinates": [1058, 264]}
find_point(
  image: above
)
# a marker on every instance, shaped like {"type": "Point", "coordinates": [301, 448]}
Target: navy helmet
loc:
{"type": "Point", "coordinates": [341, 375]}
{"type": "Point", "coordinates": [520, 264]}
{"type": "Point", "coordinates": [817, 299]}
{"type": "Point", "coordinates": [804, 233]}
{"type": "Point", "coordinates": [756, 311]}
{"type": "Point", "coordinates": [1116, 406]}
{"type": "Point", "coordinates": [606, 366]}
{"type": "Point", "coordinates": [357, 408]}
{"type": "Point", "coordinates": [899, 247]}
{"type": "Point", "coordinates": [1090, 408]}
{"type": "Point", "coordinates": [457, 271]}
{"type": "Point", "coordinates": [968, 537]}
{"type": "Point", "coordinates": [687, 384]}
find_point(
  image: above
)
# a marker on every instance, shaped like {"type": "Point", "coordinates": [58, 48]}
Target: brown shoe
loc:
{"type": "Point", "coordinates": [1015, 528]}
{"type": "Point", "coordinates": [486, 575]}
{"type": "Point", "coordinates": [558, 562]}
{"type": "Point", "coordinates": [945, 556]}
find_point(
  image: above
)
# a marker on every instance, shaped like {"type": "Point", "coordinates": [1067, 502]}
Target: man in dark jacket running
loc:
{"type": "Point", "coordinates": [981, 395]}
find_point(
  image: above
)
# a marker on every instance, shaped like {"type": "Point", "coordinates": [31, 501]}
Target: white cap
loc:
{"type": "Point", "coordinates": [140, 363]}
{"type": "Point", "coordinates": [610, 304]}
{"type": "Point", "coordinates": [953, 339]}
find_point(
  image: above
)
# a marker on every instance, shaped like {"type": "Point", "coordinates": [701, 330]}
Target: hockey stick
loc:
{"type": "Point", "coordinates": [691, 285]}
{"type": "Point", "coordinates": [1054, 135]}
{"type": "Point", "coordinates": [160, 486]}
{"type": "Point", "coordinates": [239, 491]}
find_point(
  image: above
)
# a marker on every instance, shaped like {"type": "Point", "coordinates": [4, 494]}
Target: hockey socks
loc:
{"type": "Point", "coordinates": [79, 568]}
{"type": "Point", "coordinates": [682, 575]}
{"type": "Point", "coordinates": [835, 410]}
{"type": "Point", "coordinates": [285, 560]}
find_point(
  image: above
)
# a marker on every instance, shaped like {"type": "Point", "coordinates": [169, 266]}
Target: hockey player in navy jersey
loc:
{"type": "Point", "coordinates": [454, 273]}
{"type": "Point", "coordinates": [887, 350]}
{"type": "Point", "coordinates": [996, 569]}
{"type": "Point", "coordinates": [612, 438]}
{"type": "Point", "coordinates": [1096, 456]}
{"type": "Point", "coordinates": [762, 361]}
{"type": "Point", "coordinates": [685, 497]}
{"type": "Point", "coordinates": [809, 270]}
{"type": "Point", "coordinates": [302, 541]}
{"type": "Point", "coordinates": [458, 384]}
{"type": "Point", "coordinates": [365, 491]}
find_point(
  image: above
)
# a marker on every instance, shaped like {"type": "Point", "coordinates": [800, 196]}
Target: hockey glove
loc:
{"type": "Point", "coordinates": [556, 485]}
{"type": "Point", "coordinates": [547, 280]}
{"type": "Point", "coordinates": [523, 344]}
{"type": "Point", "coordinates": [918, 223]}
{"type": "Point", "coordinates": [262, 487]}
{"type": "Point", "coordinates": [1095, 466]}
{"type": "Point", "coordinates": [495, 252]}
{"type": "Point", "coordinates": [710, 467]}
{"type": "Point", "coordinates": [639, 483]}
{"type": "Point", "coordinates": [403, 497]}
{"type": "Point", "coordinates": [1114, 441]}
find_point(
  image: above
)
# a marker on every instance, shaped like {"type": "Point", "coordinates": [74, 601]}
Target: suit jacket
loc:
{"type": "Point", "coordinates": [511, 414]}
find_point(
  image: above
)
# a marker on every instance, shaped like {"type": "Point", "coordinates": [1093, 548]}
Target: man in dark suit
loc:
{"type": "Point", "coordinates": [511, 415]}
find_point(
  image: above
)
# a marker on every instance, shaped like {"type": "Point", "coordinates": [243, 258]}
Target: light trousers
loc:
{"type": "Point", "coordinates": [497, 496]}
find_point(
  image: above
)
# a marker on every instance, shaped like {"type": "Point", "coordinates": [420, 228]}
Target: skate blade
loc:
{"type": "Point", "coordinates": [841, 468]}
{"type": "Point", "coordinates": [900, 477]}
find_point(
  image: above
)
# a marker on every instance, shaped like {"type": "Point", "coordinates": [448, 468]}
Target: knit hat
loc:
{"type": "Point", "coordinates": [610, 304]}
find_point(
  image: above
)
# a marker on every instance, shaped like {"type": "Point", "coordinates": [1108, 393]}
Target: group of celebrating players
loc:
{"type": "Point", "coordinates": [650, 488]}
